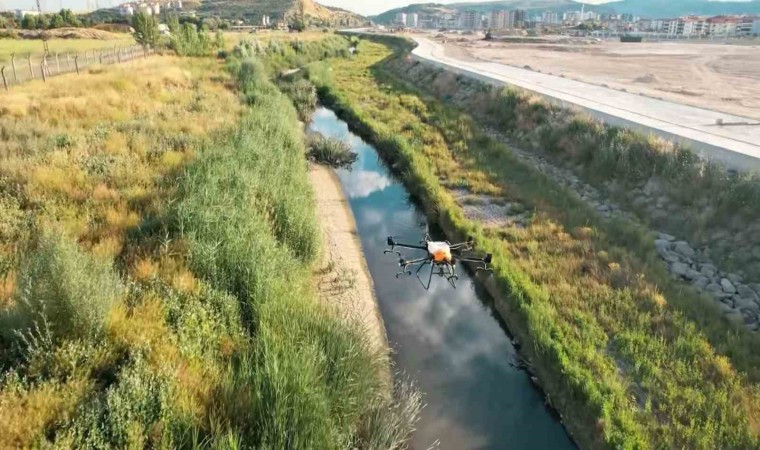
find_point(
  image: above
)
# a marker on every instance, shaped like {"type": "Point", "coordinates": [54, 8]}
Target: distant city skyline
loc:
{"type": "Point", "coordinates": [374, 7]}
{"type": "Point", "coordinates": [363, 7]}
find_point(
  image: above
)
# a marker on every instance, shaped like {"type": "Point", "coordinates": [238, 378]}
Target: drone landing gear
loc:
{"type": "Point", "coordinates": [441, 257]}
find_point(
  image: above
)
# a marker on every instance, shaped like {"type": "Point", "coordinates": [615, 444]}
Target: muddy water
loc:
{"type": "Point", "coordinates": [450, 341]}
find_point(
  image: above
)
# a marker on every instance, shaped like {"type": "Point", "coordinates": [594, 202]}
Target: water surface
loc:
{"type": "Point", "coordinates": [449, 340]}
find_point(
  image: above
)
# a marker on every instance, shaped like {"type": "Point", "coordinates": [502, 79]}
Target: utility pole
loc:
{"type": "Point", "coordinates": [44, 35]}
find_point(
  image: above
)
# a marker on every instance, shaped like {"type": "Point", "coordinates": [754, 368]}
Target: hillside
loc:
{"type": "Point", "coordinates": [646, 8]}
{"type": "Point", "coordinates": [252, 10]}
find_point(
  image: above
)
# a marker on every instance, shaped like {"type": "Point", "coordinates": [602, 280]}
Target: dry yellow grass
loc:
{"type": "Point", "coordinates": [25, 413]}
{"type": "Point", "coordinates": [90, 146]}
{"type": "Point", "coordinates": [92, 156]}
{"type": "Point", "coordinates": [91, 40]}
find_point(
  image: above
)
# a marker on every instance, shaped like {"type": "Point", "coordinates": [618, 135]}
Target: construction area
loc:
{"type": "Point", "coordinates": [718, 76]}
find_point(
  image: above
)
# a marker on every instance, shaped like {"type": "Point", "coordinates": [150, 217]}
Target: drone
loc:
{"type": "Point", "coordinates": [442, 256]}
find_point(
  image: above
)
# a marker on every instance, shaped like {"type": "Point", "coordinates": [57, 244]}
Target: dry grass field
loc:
{"type": "Point", "coordinates": [86, 162]}
{"type": "Point", "coordinates": [714, 76]}
{"type": "Point", "coordinates": [22, 47]}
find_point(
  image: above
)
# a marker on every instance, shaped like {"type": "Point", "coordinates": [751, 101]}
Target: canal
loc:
{"type": "Point", "coordinates": [449, 341]}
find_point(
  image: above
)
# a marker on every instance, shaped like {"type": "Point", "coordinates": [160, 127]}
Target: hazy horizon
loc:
{"type": "Point", "coordinates": [366, 7]}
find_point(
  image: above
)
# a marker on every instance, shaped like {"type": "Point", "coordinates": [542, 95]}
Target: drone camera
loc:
{"type": "Point", "coordinates": [488, 258]}
{"type": "Point", "coordinates": [391, 241]}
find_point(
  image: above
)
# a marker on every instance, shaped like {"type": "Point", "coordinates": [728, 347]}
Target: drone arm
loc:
{"type": "Point", "coordinates": [412, 246]}
{"type": "Point", "coordinates": [412, 262]}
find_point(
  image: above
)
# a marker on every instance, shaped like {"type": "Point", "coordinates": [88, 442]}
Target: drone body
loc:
{"type": "Point", "coordinates": [442, 257]}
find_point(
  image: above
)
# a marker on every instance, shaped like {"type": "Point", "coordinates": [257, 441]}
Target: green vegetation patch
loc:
{"type": "Point", "coordinates": [631, 359]}
{"type": "Point", "coordinates": [170, 305]}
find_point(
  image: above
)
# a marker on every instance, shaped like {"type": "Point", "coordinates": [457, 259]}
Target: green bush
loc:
{"type": "Point", "coordinates": [127, 414]}
{"type": "Point", "coordinates": [308, 379]}
{"type": "Point", "coordinates": [330, 151]}
{"type": "Point", "coordinates": [188, 40]}
{"type": "Point", "coordinates": [303, 94]}
{"type": "Point", "coordinates": [64, 288]}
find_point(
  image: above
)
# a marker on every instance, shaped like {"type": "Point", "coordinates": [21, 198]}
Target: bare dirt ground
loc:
{"type": "Point", "coordinates": [343, 279]}
{"type": "Point", "coordinates": [714, 76]}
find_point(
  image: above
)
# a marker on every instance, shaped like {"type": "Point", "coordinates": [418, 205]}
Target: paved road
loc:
{"type": "Point", "coordinates": [738, 146]}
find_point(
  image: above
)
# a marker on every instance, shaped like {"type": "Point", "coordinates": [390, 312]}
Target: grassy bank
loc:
{"type": "Point", "coordinates": [666, 185]}
{"type": "Point", "coordinates": [629, 358]}
{"type": "Point", "coordinates": [157, 237]}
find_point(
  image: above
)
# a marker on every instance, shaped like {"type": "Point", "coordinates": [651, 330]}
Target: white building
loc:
{"type": "Point", "coordinates": [694, 26]}
{"type": "Point", "coordinates": [470, 20]}
{"type": "Point", "coordinates": [517, 18]}
{"type": "Point", "coordinates": [401, 19]}
{"type": "Point", "coordinates": [722, 26]}
{"type": "Point", "coordinates": [127, 10]}
{"type": "Point", "coordinates": [145, 9]}
{"type": "Point", "coordinates": [748, 26]}
{"type": "Point", "coordinates": [413, 20]}
{"type": "Point", "coordinates": [450, 21]}
{"type": "Point", "coordinates": [21, 13]}
{"type": "Point", "coordinates": [550, 18]}
{"type": "Point", "coordinates": [497, 20]}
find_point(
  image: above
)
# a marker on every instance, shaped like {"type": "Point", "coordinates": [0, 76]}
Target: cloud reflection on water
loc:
{"type": "Point", "coordinates": [444, 338]}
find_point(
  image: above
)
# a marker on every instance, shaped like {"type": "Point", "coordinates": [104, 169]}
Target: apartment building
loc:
{"type": "Point", "coordinates": [470, 20]}
{"type": "Point", "coordinates": [722, 26]}
{"type": "Point", "coordinates": [550, 18]}
{"type": "Point", "coordinates": [498, 20]}
{"type": "Point", "coordinates": [518, 18]}
{"type": "Point", "coordinates": [748, 26]}
{"type": "Point", "coordinates": [401, 19]}
{"type": "Point", "coordinates": [413, 20]}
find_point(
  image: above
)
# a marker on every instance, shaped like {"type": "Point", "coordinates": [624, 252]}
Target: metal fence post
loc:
{"type": "Point", "coordinates": [68, 61]}
{"type": "Point", "coordinates": [42, 69]}
{"type": "Point", "coordinates": [76, 63]}
{"type": "Point", "coordinates": [29, 60]}
{"type": "Point", "coordinates": [45, 66]}
{"type": "Point", "coordinates": [13, 65]}
{"type": "Point", "coordinates": [57, 64]}
{"type": "Point", "coordinates": [5, 81]}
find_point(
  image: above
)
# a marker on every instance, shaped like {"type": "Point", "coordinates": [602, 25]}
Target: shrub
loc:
{"type": "Point", "coordinates": [128, 414]}
{"type": "Point", "coordinates": [188, 40]}
{"type": "Point", "coordinates": [61, 286]}
{"type": "Point", "coordinates": [331, 152]}
{"type": "Point", "coordinates": [303, 94]}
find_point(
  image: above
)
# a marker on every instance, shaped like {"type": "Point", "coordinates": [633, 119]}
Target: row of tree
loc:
{"type": "Point", "coordinates": [62, 19]}
{"type": "Point", "coordinates": [186, 39]}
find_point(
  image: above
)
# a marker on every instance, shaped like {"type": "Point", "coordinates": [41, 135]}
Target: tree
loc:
{"type": "Point", "coordinates": [297, 25]}
{"type": "Point", "coordinates": [146, 30]}
{"type": "Point", "coordinates": [69, 18]}
{"type": "Point", "coordinates": [57, 21]}
{"type": "Point", "coordinates": [43, 23]}
{"type": "Point", "coordinates": [29, 22]}
{"type": "Point", "coordinates": [219, 40]}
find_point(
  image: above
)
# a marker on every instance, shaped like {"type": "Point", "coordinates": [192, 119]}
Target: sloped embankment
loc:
{"type": "Point", "coordinates": [629, 358]}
